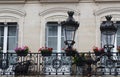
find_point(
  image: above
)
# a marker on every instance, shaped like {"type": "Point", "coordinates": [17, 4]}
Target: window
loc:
{"type": "Point", "coordinates": [54, 36]}
{"type": "Point", "coordinates": [8, 36]}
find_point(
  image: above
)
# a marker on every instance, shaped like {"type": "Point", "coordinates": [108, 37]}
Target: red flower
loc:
{"type": "Point", "coordinates": [45, 49]}
{"type": "Point", "coordinates": [95, 49]}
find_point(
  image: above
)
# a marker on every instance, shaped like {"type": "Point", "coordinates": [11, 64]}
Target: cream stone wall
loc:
{"type": "Point", "coordinates": [33, 15]}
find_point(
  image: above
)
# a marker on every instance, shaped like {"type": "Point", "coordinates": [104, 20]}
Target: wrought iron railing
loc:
{"type": "Point", "coordinates": [57, 63]}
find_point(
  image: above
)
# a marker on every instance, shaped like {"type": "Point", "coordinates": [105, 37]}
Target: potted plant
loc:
{"type": "Point", "coordinates": [98, 51]}
{"type": "Point", "coordinates": [79, 60]}
{"type": "Point", "coordinates": [70, 51]}
{"type": "Point", "coordinates": [46, 51]}
{"type": "Point", "coordinates": [22, 51]}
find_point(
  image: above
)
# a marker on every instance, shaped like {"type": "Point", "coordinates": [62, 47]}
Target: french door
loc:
{"type": "Point", "coordinates": [55, 36]}
{"type": "Point", "coordinates": [8, 36]}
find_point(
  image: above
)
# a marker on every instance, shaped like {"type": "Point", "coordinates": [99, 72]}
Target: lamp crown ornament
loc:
{"type": "Point", "coordinates": [70, 13]}
{"type": "Point", "coordinates": [108, 17]}
{"type": "Point", "coordinates": [108, 27]}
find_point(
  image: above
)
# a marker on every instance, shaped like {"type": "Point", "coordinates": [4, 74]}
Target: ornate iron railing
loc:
{"type": "Point", "coordinates": [57, 63]}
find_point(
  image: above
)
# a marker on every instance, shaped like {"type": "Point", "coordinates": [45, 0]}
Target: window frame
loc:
{"type": "Point", "coordinates": [59, 36]}
{"type": "Point", "coordinates": [6, 36]}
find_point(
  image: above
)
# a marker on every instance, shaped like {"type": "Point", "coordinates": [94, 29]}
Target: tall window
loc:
{"type": "Point", "coordinates": [54, 36]}
{"type": "Point", "coordinates": [8, 36]}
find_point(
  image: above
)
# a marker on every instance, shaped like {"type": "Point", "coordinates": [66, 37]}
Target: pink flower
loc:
{"type": "Point", "coordinates": [22, 49]}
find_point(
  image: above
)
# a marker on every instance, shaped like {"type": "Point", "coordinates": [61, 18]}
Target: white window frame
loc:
{"type": "Point", "coordinates": [59, 35]}
{"type": "Point", "coordinates": [5, 39]}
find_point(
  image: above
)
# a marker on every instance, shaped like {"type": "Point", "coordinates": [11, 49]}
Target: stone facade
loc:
{"type": "Point", "coordinates": [32, 16]}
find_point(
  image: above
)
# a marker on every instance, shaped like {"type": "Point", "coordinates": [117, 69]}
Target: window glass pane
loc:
{"type": "Point", "coordinates": [12, 37]}
{"type": "Point", "coordinates": [63, 33]}
{"type": "Point", "coordinates": [118, 41]}
{"type": "Point", "coordinates": [52, 42]}
{"type": "Point", "coordinates": [11, 43]}
{"type": "Point", "coordinates": [62, 42]}
{"type": "Point", "coordinates": [118, 35]}
{"type": "Point", "coordinates": [62, 38]}
{"type": "Point", "coordinates": [1, 30]}
{"type": "Point", "coordinates": [1, 36]}
{"type": "Point", "coordinates": [1, 42]}
{"type": "Point", "coordinates": [12, 31]}
{"type": "Point", "coordinates": [52, 31]}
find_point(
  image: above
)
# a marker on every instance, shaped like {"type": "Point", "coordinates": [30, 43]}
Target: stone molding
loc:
{"type": "Point", "coordinates": [14, 11]}
{"type": "Point", "coordinates": [42, 1]}
{"type": "Point", "coordinates": [107, 10]}
{"type": "Point", "coordinates": [58, 9]}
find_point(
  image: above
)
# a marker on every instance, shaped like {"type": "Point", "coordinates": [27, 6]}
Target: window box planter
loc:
{"type": "Point", "coordinates": [45, 51]}
{"type": "Point", "coordinates": [22, 51]}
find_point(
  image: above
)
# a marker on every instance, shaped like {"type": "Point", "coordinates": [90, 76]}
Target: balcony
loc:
{"type": "Point", "coordinates": [57, 63]}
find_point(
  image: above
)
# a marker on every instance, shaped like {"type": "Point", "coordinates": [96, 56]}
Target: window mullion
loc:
{"type": "Point", "coordinates": [5, 39]}
{"type": "Point", "coordinates": [59, 39]}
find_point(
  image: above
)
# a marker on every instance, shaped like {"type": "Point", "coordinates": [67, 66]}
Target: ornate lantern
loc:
{"type": "Point", "coordinates": [108, 32]}
{"type": "Point", "coordinates": [70, 26]}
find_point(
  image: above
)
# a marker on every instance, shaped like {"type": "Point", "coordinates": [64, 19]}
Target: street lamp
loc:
{"type": "Point", "coordinates": [70, 26]}
{"type": "Point", "coordinates": [108, 34]}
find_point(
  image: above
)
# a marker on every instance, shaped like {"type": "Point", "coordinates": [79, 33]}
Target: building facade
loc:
{"type": "Point", "coordinates": [36, 23]}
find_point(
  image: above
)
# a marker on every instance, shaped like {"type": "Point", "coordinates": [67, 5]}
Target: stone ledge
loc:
{"type": "Point", "coordinates": [107, 0]}
{"type": "Point", "coordinates": [59, 0]}
{"type": "Point", "coordinates": [12, 1]}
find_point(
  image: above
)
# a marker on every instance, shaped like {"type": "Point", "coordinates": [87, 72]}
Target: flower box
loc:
{"type": "Point", "coordinates": [22, 51]}
{"type": "Point", "coordinates": [98, 51]}
{"type": "Point", "coordinates": [45, 51]}
{"type": "Point", "coordinates": [70, 52]}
